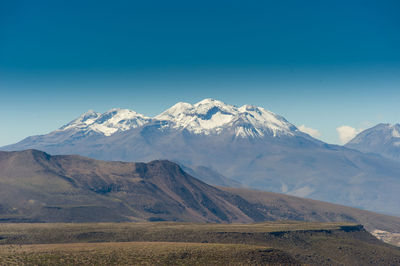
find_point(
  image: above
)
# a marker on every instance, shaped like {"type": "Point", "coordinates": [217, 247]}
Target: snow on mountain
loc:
{"type": "Point", "coordinates": [395, 131]}
{"type": "Point", "coordinates": [381, 133]}
{"type": "Point", "coordinates": [107, 123]}
{"type": "Point", "coordinates": [212, 117]}
{"type": "Point", "coordinates": [206, 117]}
{"type": "Point", "coordinates": [82, 121]}
{"type": "Point", "coordinates": [383, 139]}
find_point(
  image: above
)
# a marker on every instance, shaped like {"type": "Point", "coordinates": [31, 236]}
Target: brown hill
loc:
{"type": "Point", "coordinates": [37, 187]}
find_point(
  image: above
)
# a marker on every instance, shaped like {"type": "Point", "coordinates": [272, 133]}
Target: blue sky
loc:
{"type": "Point", "coordinates": [322, 64]}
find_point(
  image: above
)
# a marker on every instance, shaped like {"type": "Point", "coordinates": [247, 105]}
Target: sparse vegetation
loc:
{"type": "Point", "coordinates": [192, 243]}
{"type": "Point", "coordinates": [142, 253]}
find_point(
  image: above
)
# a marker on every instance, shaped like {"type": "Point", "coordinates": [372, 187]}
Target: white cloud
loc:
{"type": "Point", "coordinates": [347, 133]}
{"type": "Point", "coordinates": [310, 131]}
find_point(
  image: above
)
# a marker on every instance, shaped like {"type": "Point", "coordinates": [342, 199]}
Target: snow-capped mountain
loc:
{"type": "Point", "coordinates": [383, 139]}
{"type": "Point", "coordinates": [108, 123]}
{"type": "Point", "coordinates": [212, 117]}
{"type": "Point", "coordinates": [206, 117]}
{"type": "Point", "coordinates": [248, 144]}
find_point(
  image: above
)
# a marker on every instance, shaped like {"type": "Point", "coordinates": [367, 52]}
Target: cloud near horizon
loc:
{"type": "Point", "coordinates": [347, 133]}
{"type": "Point", "coordinates": [310, 131]}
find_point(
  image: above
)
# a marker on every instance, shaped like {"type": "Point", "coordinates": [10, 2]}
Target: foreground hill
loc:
{"type": "Point", "coordinates": [38, 187]}
{"type": "Point", "coordinates": [249, 144]}
{"type": "Point", "coordinates": [168, 243]}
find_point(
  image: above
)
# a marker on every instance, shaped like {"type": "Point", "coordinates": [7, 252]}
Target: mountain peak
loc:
{"type": "Point", "coordinates": [175, 110]}
{"type": "Point", "coordinates": [382, 131]}
{"type": "Point", "coordinates": [210, 101]}
{"type": "Point", "coordinates": [383, 139]}
{"type": "Point", "coordinates": [115, 119]}
{"type": "Point", "coordinates": [90, 113]}
{"type": "Point", "coordinates": [82, 121]}
{"type": "Point", "coordinates": [211, 116]}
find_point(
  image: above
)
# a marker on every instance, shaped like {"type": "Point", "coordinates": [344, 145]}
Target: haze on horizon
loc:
{"type": "Point", "coordinates": [319, 64]}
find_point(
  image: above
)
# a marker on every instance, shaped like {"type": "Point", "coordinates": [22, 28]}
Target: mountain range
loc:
{"type": "Point", "coordinates": [244, 146]}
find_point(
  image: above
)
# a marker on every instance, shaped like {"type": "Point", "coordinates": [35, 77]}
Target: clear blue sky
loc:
{"type": "Point", "coordinates": [323, 64]}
